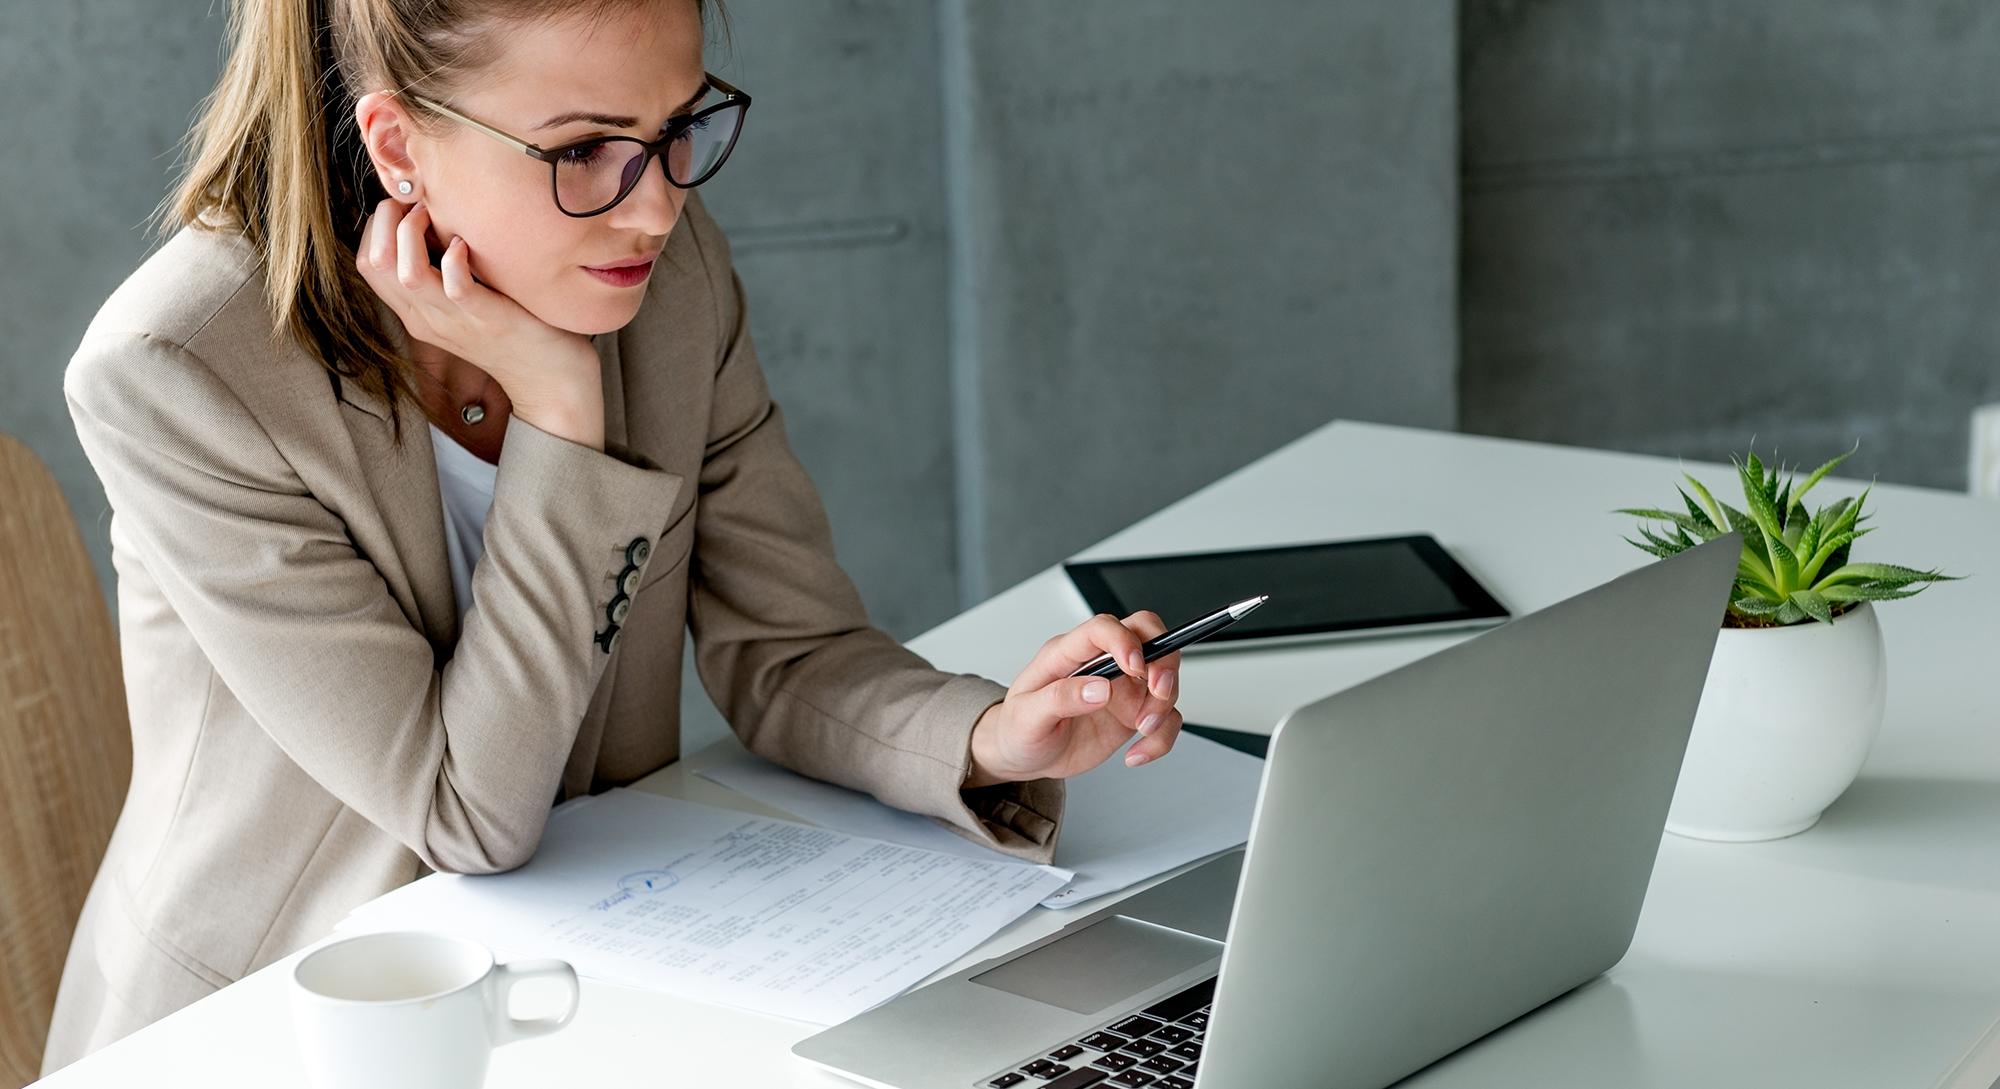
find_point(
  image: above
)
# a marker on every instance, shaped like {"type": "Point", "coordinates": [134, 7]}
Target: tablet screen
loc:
{"type": "Point", "coordinates": [1335, 586]}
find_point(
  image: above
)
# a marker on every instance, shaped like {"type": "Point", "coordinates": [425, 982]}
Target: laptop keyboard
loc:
{"type": "Point", "coordinates": [1159, 1047]}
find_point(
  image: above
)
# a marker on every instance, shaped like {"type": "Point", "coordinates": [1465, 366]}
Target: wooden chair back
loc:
{"type": "Point", "coordinates": [65, 747]}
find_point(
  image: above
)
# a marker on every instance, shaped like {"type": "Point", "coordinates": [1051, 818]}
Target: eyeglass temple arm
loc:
{"type": "Point", "coordinates": [724, 87]}
{"type": "Point", "coordinates": [521, 146]}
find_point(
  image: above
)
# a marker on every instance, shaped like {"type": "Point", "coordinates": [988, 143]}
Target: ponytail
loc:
{"type": "Point", "coordinates": [276, 156]}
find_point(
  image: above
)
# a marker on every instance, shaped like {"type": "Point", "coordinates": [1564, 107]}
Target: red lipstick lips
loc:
{"type": "Point", "coordinates": [627, 272]}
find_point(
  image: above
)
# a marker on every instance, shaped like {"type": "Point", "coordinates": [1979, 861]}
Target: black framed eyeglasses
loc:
{"type": "Point", "coordinates": [589, 177]}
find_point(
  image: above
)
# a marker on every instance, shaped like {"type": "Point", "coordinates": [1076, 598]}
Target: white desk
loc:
{"type": "Point", "coordinates": [1865, 952]}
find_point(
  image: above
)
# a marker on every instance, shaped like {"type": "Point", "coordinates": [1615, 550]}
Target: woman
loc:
{"type": "Point", "coordinates": [406, 549]}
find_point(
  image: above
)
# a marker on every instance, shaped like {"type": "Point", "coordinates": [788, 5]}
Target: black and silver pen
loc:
{"type": "Point", "coordinates": [1186, 634]}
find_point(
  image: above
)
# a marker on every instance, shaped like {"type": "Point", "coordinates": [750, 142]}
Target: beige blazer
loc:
{"type": "Point", "coordinates": [312, 726]}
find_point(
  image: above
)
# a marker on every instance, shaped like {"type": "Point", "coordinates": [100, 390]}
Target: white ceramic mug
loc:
{"type": "Point", "coordinates": [408, 1008]}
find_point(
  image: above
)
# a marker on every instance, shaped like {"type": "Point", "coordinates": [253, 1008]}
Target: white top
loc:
{"type": "Point", "coordinates": [465, 485]}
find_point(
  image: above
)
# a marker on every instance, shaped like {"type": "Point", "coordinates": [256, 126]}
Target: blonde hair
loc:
{"type": "Point", "coordinates": [275, 153]}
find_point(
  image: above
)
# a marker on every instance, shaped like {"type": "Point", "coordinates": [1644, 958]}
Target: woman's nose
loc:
{"type": "Point", "coordinates": [652, 206]}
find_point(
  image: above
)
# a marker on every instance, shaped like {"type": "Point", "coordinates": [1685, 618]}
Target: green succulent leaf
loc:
{"type": "Point", "coordinates": [1807, 545]}
{"type": "Point", "coordinates": [1789, 613]}
{"type": "Point", "coordinates": [1703, 529]}
{"type": "Point", "coordinates": [1756, 606]}
{"type": "Point", "coordinates": [1753, 540]}
{"type": "Point", "coordinates": [1853, 514]}
{"type": "Point", "coordinates": [1699, 516]}
{"type": "Point", "coordinates": [1756, 561]}
{"type": "Point", "coordinates": [1672, 547]}
{"type": "Point", "coordinates": [1888, 573]}
{"type": "Point", "coordinates": [1866, 591]}
{"type": "Point", "coordinates": [1820, 474]}
{"type": "Point", "coordinates": [1762, 510]}
{"type": "Point", "coordinates": [1655, 550]}
{"type": "Point", "coordinates": [1813, 605]}
{"type": "Point", "coordinates": [1846, 519]}
{"type": "Point", "coordinates": [1784, 564]}
{"type": "Point", "coordinates": [1714, 509]}
{"type": "Point", "coordinates": [1755, 584]}
{"type": "Point", "coordinates": [1809, 575]}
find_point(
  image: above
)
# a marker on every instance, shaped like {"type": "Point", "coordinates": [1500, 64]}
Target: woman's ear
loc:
{"type": "Point", "coordinates": [386, 129]}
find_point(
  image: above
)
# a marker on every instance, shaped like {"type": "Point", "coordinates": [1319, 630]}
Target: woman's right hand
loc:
{"type": "Point", "coordinates": [552, 377]}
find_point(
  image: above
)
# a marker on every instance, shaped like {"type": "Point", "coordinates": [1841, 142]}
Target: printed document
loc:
{"type": "Point", "coordinates": [1120, 825]}
{"type": "Point", "coordinates": [708, 903]}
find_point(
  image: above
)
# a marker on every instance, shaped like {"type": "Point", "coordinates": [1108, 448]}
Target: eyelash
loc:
{"type": "Point", "coordinates": [572, 156]}
{"type": "Point", "coordinates": [693, 126]}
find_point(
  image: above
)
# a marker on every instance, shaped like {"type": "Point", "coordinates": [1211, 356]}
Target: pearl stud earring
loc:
{"type": "Point", "coordinates": [404, 187]}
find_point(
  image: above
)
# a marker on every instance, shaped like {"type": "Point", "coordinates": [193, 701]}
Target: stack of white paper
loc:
{"type": "Point", "coordinates": [1120, 825]}
{"type": "Point", "coordinates": [708, 903]}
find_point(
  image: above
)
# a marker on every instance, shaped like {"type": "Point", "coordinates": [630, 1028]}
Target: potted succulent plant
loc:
{"type": "Point", "coordinates": [1797, 686]}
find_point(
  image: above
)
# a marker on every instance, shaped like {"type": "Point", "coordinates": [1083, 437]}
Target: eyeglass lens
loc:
{"type": "Point", "coordinates": [593, 176]}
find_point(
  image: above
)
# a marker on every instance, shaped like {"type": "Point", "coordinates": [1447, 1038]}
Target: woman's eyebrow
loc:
{"type": "Point", "coordinates": [612, 121]}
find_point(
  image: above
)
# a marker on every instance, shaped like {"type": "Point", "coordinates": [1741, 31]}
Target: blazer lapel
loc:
{"type": "Point", "coordinates": [402, 478]}
{"type": "Point", "coordinates": [614, 390]}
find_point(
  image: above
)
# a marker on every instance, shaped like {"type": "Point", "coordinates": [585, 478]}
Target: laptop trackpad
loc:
{"type": "Point", "coordinates": [1103, 963]}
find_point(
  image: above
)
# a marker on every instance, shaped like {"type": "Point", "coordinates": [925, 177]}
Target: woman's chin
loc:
{"type": "Point", "coordinates": [594, 319]}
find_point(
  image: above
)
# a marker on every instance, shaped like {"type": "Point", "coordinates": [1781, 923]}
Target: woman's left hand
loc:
{"type": "Point", "coordinates": [1054, 726]}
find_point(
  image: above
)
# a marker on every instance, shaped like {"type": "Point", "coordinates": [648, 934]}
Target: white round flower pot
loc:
{"type": "Point", "coordinates": [1786, 721]}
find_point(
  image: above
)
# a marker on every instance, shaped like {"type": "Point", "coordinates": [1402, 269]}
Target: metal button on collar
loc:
{"type": "Point", "coordinates": [638, 551]}
{"type": "Point", "coordinates": [618, 609]}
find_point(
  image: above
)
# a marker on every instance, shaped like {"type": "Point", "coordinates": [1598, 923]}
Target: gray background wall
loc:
{"type": "Point", "coordinates": [96, 95]}
{"type": "Point", "coordinates": [1000, 255]}
{"type": "Point", "coordinates": [1687, 222]}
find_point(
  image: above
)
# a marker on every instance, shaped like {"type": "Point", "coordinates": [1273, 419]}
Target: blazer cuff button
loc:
{"type": "Point", "coordinates": [638, 551]}
{"type": "Point", "coordinates": [607, 639]}
{"type": "Point", "coordinates": [630, 583]}
{"type": "Point", "coordinates": [618, 609]}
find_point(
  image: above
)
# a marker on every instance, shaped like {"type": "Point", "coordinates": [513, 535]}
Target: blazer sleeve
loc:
{"type": "Point", "coordinates": [782, 641]}
{"type": "Point", "coordinates": [460, 763]}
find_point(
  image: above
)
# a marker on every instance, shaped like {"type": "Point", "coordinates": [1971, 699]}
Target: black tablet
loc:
{"type": "Point", "coordinates": [1325, 590]}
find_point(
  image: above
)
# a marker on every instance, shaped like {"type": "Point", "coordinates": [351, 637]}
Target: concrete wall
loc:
{"type": "Point", "coordinates": [1190, 232]}
{"type": "Point", "coordinates": [834, 204]}
{"type": "Point", "coordinates": [97, 92]}
{"type": "Point", "coordinates": [1687, 222]}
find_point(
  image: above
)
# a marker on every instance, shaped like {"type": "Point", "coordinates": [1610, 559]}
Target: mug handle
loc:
{"type": "Point", "coordinates": [500, 987]}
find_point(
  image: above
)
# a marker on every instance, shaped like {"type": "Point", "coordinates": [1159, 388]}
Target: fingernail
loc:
{"type": "Point", "coordinates": [1133, 760]}
{"type": "Point", "coordinates": [1097, 691]}
{"type": "Point", "coordinates": [1135, 664]}
{"type": "Point", "coordinates": [1166, 683]}
{"type": "Point", "coordinates": [1150, 723]}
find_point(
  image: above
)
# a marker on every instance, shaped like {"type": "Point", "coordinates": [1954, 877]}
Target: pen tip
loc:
{"type": "Point", "coordinates": [1242, 608]}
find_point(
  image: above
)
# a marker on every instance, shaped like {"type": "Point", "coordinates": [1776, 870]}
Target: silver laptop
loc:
{"type": "Point", "coordinates": [1435, 853]}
